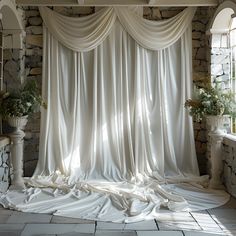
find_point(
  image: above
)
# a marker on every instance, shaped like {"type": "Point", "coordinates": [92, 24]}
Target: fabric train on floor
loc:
{"type": "Point", "coordinates": [111, 201]}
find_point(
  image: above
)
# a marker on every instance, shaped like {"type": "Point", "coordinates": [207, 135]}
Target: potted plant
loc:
{"type": "Point", "coordinates": [211, 103]}
{"type": "Point", "coordinates": [17, 105]}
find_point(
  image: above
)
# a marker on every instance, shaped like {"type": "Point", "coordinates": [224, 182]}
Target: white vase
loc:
{"type": "Point", "coordinates": [216, 124]}
{"type": "Point", "coordinates": [17, 144]}
{"type": "Point", "coordinates": [17, 122]}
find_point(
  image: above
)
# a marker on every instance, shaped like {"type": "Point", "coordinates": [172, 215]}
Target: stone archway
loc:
{"type": "Point", "coordinates": [220, 48]}
{"type": "Point", "coordinates": [11, 24]}
{"type": "Point", "coordinates": [219, 29]}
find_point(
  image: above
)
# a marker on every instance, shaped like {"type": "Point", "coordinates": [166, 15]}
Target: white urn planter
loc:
{"type": "Point", "coordinates": [17, 143]}
{"type": "Point", "coordinates": [216, 135]}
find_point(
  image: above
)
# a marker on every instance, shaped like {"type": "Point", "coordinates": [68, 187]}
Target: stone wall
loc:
{"type": "Point", "coordinates": [4, 164]}
{"type": "Point", "coordinates": [229, 160]}
{"type": "Point", "coordinates": [220, 60]}
{"type": "Point", "coordinates": [33, 71]}
{"type": "Point", "coordinates": [219, 65]}
{"type": "Point", "coordinates": [200, 42]}
{"type": "Point", "coordinates": [31, 59]}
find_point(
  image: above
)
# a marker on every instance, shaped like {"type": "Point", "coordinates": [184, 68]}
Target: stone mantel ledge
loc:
{"type": "Point", "coordinates": [4, 141]}
{"type": "Point", "coordinates": [230, 140]}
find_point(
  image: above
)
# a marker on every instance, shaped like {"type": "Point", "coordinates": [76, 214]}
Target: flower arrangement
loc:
{"type": "Point", "coordinates": [21, 102]}
{"type": "Point", "coordinates": [210, 101]}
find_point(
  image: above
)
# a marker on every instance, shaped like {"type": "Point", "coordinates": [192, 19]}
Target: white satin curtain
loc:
{"type": "Point", "coordinates": [116, 108]}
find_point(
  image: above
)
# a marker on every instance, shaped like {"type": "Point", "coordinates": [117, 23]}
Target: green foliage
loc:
{"type": "Point", "coordinates": [21, 102]}
{"type": "Point", "coordinates": [211, 101]}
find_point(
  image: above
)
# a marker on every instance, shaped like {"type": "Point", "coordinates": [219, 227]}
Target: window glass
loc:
{"type": "Point", "coordinates": [232, 35]}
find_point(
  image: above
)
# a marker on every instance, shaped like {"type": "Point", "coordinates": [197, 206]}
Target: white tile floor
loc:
{"type": "Point", "coordinates": [218, 221]}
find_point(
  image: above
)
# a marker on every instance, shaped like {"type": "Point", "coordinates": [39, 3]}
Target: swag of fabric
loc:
{"type": "Point", "coordinates": [116, 142]}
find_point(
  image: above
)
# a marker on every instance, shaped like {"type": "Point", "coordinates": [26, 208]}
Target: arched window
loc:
{"type": "Point", "coordinates": [223, 51]}
{"type": "Point", "coordinates": [232, 41]}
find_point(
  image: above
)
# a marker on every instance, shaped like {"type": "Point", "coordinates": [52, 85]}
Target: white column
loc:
{"type": "Point", "coordinates": [216, 135]}
{"type": "Point", "coordinates": [17, 145]}
{"type": "Point", "coordinates": [17, 159]}
{"type": "Point", "coordinates": [216, 160]}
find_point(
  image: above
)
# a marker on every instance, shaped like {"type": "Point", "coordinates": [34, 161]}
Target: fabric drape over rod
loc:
{"type": "Point", "coordinates": [116, 142]}
{"type": "Point", "coordinates": [93, 29]}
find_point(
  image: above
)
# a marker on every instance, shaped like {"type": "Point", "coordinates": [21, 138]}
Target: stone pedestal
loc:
{"type": "Point", "coordinates": [17, 144]}
{"type": "Point", "coordinates": [216, 161]}
{"type": "Point", "coordinates": [216, 135]}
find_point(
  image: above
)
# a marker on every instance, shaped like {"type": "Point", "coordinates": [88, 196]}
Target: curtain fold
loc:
{"type": "Point", "coordinates": [79, 33]}
{"type": "Point", "coordinates": [117, 112]}
{"type": "Point", "coordinates": [93, 29]}
{"type": "Point", "coordinates": [155, 35]}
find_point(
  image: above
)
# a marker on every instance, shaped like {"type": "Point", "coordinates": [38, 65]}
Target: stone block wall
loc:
{"type": "Point", "coordinates": [27, 63]}
{"type": "Point", "coordinates": [4, 164]}
{"type": "Point", "coordinates": [33, 71]}
{"type": "Point", "coordinates": [220, 60]}
{"type": "Point", "coordinates": [229, 160]}
{"type": "Point", "coordinates": [14, 68]}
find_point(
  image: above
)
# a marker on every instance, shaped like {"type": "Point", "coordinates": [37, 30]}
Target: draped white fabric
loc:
{"type": "Point", "coordinates": [115, 139]}
{"type": "Point", "coordinates": [82, 33]}
{"type": "Point", "coordinates": [93, 29]}
{"type": "Point", "coordinates": [117, 112]}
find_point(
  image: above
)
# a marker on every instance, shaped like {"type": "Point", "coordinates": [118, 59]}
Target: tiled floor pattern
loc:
{"type": "Point", "coordinates": [218, 221]}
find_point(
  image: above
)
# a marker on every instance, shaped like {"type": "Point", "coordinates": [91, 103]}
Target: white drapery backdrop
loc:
{"type": "Point", "coordinates": [116, 131]}
{"type": "Point", "coordinates": [117, 111]}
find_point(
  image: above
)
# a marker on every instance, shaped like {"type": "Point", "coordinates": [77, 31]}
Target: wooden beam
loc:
{"type": "Point", "coordinates": [160, 3]}
{"type": "Point", "coordinates": [174, 3]}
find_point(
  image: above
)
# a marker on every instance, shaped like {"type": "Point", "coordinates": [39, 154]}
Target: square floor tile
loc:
{"type": "Point", "coordinates": [229, 232]}
{"type": "Point", "coordinates": [178, 226]}
{"type": "Point", "coordinates": [75, 234]}
{"type": "Point", "coordinates": [22, 218]}
{"type": "Point", "coordinates": [4, 215]}
{"type": "Point", "coordinates": [34, 229]}
{"type": "Point", "coordinates": [4, 211]}
{"type": "Point", "coordinates": [115, 233]}
{"type": "Point", "coordinates": [143, 225]}
{"type": "Point", "coordinates": [174, 216]}
{"type": "Point", "coordinates": [44, 235]}
{"type": "Point", "coordinates": [109, 226]}
{"type": "Point", "coordinates": [7, 233]}
{"type": "Point", "coordinates": [11, 227]}
{"type": "Point", "coordinates": [223, 215]}
{"type": "Point", "coordinates": [68, 220]}
{"type": "Point", "coordinates": [186, 233]}
{"type": "Point", "coordinates": [159, 233]}
{"type": "Point", "coordinates": [3, 219]}
{"type": "Point", "coordinates": [226, 226]}
{"type": "Point", "coordinates": [206, 222]}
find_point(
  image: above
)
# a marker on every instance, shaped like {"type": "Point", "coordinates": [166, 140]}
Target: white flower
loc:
{"type": "Point", "coordinates": [206, 103]}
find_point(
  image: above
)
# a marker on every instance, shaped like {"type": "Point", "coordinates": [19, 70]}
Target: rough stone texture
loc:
{"type": "Point", "coordinates": [229, 159]}
{"type": "Point", "coordinates": [31, 61]}
{"type": "Point", "coordinates": [35, 20]}
{"type": "Point", "coordinates": [34, 40]}
{"type": "Point", "coordinates": [4, 168]}
{"type": "Point", "coordinates": [13, 65]}
{"type": "Point", "coordinates": [220, 60]}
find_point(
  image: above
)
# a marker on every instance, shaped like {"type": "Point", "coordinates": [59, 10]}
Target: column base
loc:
{"type": "Point", "coordinates": [17, 186]}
